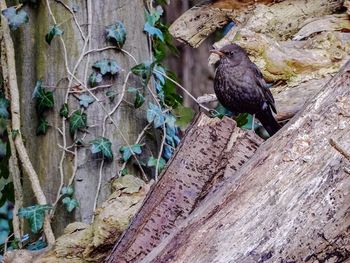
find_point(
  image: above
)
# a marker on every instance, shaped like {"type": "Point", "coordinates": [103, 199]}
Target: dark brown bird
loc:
{"type": "Point", "coordinates": [240, 87]}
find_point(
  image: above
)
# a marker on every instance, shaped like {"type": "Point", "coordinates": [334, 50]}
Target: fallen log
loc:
{"type": "Point", "coordinates": [208, 148]}
{"type": "Point", "coordinates": [288, 203]}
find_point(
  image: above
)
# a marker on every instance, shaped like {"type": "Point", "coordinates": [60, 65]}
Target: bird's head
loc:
{"type": "Point", "coordinates": [232, 52]}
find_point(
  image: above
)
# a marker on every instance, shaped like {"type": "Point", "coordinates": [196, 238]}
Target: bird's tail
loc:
{"type": "Point", "coordinates": [268, 121]}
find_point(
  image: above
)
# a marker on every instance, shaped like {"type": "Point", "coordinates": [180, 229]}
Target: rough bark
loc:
{"type": "Point", "coordinates": [288, 203]}
{"type": "Point", "coordinates": [35, 60]}
{"type": "Point", "coordinates": [197, 167]}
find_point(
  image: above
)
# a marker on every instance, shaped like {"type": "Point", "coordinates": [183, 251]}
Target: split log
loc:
{"type": "Point", "coordinates": [208, 148]}
{"type": "Point", "coordinates": [288, 203]}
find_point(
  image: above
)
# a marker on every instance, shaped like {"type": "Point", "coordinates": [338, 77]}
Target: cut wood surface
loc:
{"type": "Point", "coordinates": [199, 164]}
{"type": "Point", "coordinates": [288, 203]}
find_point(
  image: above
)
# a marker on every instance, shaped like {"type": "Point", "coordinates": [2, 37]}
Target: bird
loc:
{"type": "Point", "coordinates": [240, 87]}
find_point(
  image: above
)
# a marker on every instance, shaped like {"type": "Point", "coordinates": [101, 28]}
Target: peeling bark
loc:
{"type": "Point", "coordinates": [197, 167]}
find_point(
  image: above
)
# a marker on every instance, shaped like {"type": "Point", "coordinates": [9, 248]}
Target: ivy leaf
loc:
{"type": "Point", "coordinates": [111, 95]}
{"type": "Point", "coordinates": [14, 134]}
{"type": "Point", "coordinates": [4, 104]}
{"type": "Point", "coordinates": [35, 215]}
{"type": "Point", "coordinates": [152, 162]}
{"type": "Point", "coordinates": [139, 100]}
{"type": "Point", "coordinates": [107, 66]}
{"type": "Point", "coordinates": [43, 126]}
{"type": "Point", "coordinates": [127, 151]}
{"type": "Point", "coordinates": [155, 115]}
{"type": "Point", "coordinates": [44, 98]}
{"type": "Point", "coordinates": [70, 203]}
{"type": "Point", "coordinates": [14, 18]}
{"type": "Point", "coordinates": [104, 146]}
{"type": "Point", "coordinates": [242, 120]}
{"type": "Point", "coordinates": [64, 111]}
{"type": "Point", "coordinates": [77, 121]}
{"type": "Point", "coordinates": [95, 78]}
{"type": "Point", "coordinates": [116, 33]}
{"type": "Point", "coordinates": [67, 190]}
{"type": "Point", "coordinates": [38, 245]}
{"type": "Point", "coordinates": [153, 31]}
{"type": "Point", "coordinates": [143, 70]}
{"type": "Point", "coordinates": [85, 100]}
{"type": "Point", "coordinates": [53, 31]}
{"type": "Point", "coordinates": [184, 116]}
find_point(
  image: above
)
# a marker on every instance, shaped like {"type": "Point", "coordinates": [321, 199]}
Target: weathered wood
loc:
{"type": "Point", "coordinates": [288, 203]}
{"type": "Point", "coordinates": [198, 165]}
{"type": "Point", "coordinates": [281, 20]}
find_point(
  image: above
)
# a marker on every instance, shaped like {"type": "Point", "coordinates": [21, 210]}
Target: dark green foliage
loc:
{"type": "Point", "coordinates": [143, 70]}
{"type": "Point", "coordinates": [35, 216]}
{"type": "Point", "coordinates": [43, 126]}
{"type": "Point", "coordinates": [139, 98]}
{"type": "Point", "coordinates": [53, 31]}
{"type": "Point", "coordinates": [77, 121]}
{"type": "Point", "coordinates": [242, 119]}
{"type": "Point", "coordinates": [184, 116]}
{"type": "Point", "coordinates": [116, 33]}
{"type": "Point", "coordinates": [44, 98]}
{"type": "Point", "coordinates": [102, 146]}
{"type": "Point", "coordinates": [127, 151]}
{"type": "Point", "coordinates": [15, 18]}
{"type": "Point", "coordinates": [64, 111]}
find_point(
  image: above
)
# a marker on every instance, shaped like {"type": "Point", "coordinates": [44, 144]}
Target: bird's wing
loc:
{"type": "Point", "coordinates": [264, 87]}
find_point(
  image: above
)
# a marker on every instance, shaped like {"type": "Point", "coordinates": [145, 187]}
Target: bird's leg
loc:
{"type": "Point", "coordinates": [253, 122]}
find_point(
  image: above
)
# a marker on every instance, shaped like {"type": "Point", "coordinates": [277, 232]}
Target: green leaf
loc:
{"type": "Point", "coordinates": [104, 146]}
{"type": "Point", "coordinates": [67, 190]}
{"type": "Point", "coordinates": [95, 78]}
{"type": "Point", "coordinates": [107, 66]}
{"type": "Point", "coordinates": [242, 120]}
{"type": "Point", "coordinates": [35, 215]}
{"type": "Point", "coordinates": [116, 33]}
{"type": "Point", "coordinates": [155, 115]}
{"type": "Point", "coordinates": [85, 100]}
{"type": "Point", "coordinates": [53, 31]}
{"type": "Point", "coordinates": [15, 18]}
{"type": "Point", "coordinates": [44, 98]}
{"type": "Point", "coordinates": [139, 100]}
{"type": "Point", "coordinates": [153, 31]}
{"type": "Point", "coordinates": [111, 95]}
{"type": "Point", "coordinates": [77, 121]}
{"type": "Point", "coordinates": [143, 70]}
{"type": "Point", "coordinates": [184, 116]}
{"type": "Point", "coordinates": [43, 126]}
{"type": "Point", "coordinates": [64, 111]}
{"type": "Point", "coordinates": [38, 245]}
{"type": "Point", "coordinates": [127, 151]}
{"type": "Point", "coordinates": [152, 162]}
{"type": "Point", "coordinates": [124, 172]}
{"type": "Point", "coordinates": [4, 104]}
{"type": "Point", "coordinates": [70, 203]}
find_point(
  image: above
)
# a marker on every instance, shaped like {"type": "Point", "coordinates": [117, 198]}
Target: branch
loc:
{"type": "Point", "coordinates": [11, 82]}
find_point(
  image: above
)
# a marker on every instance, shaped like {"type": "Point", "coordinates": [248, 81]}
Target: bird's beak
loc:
{"type": "Point", "coordinates": [217, 52]}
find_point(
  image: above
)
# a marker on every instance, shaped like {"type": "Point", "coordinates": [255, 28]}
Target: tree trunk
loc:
{"type": "Point", "coordinates": [288, 203]}
{"type": "Point", "coordinates": [36, 60]}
